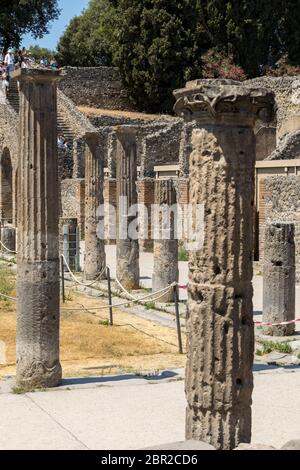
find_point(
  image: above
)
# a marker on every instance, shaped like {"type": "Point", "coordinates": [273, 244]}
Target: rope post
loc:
{"type": "Point", "coordinates": [77, 258]}
{"type": "Point", "coordinates": [111, 320]}
{"type": "Point", "coordinates": [178, 325]}
{"type": "Point", "coordinates": [62, 269]}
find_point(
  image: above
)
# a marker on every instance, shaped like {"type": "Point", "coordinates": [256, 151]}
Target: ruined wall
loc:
{"type": "Point", "coordinates": [97, 87]}
{"type": "Point", "coordinates": [160, 147]}
{"type": "Point", "coordinates": [73, 201]}
{"type": "Point", "coordinates": [282, 204]}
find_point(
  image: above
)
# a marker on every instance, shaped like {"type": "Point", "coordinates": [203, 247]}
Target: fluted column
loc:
{"type": "Point", "coordinates": [38, 257]}
{"type": "Point", "coordinates": [94, 241]}
{"type": "Point", "coordinates": [165, 253]}
{"type": "Point", "coordinates": [127, 245]}
{"type": "Point", "coordinates": [220, 328]}
{"type": "Point", "coordinates": [279, 292]}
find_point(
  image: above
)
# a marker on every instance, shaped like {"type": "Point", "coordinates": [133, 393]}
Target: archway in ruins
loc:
{"type": "Point", "coordinates": [6, 189]}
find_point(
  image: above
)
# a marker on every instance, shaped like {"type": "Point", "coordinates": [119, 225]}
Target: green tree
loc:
{"type": "Point", "coordinates": [18, 17]}
{"type": "Point", "coordinates": [39, 52]}
{"type": "Point", "coordinates": [157, 47]}
{"type": "Point", "coordinates": [247, 29]}
{"type": "Point", "coordinates": [289, 30]}
{"type": "Point", "coordinates": [87, 40]}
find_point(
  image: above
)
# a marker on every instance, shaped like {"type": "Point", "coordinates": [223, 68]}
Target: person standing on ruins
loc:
{"type": "Point", "coordinates": [9, 61]}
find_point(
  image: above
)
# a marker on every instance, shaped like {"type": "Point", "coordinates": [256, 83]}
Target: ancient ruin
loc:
{"type": "Point", "coordinates": [128, 271]}
{"type": "Point", "coordinates": [220, 328]}
{"type": "Point", "coordinates": [279, 288]}
{"type": "Point", "coordinates": [95, 261]}
{"type": "Point", "coordinates": [38, 247]}
{"type": "Point", "coordinates": [165, 253]}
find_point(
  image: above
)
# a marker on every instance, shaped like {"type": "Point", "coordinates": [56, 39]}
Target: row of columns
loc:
{"type": "Point", "coordinates": [220, 328]}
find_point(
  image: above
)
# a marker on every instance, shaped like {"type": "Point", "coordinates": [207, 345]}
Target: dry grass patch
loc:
{"type": "Point", "coordinates": [115, 113]}
{"type": "Point", "coordinates": [90, 347]}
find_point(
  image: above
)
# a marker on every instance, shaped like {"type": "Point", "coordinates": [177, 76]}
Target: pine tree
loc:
{"type": "Point", "coordinates": [158, 46]}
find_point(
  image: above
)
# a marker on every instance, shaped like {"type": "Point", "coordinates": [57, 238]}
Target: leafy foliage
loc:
{"type": "Point", "coordinates": [18, 17]}
{"type": "Point", "coordinates": [87, 40]}
{"type": "Point", "coordinates": [157, 48]}
{"type": "Point", "coordinates": [219, 65]}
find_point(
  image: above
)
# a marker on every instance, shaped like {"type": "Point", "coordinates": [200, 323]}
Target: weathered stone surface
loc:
{"type": "Point", "coordinates": [128, 271]}
{"type": "Point", "coordinates": [165, 270]}
{"type": "Point", "coordinates": [220, 328]}
{"type": "Point", "coordinates": [38, 257]}
{"type": "Point", "coordinates": [95, 259]}
{"type": "Point", "coordinates": [8, 238]}
{"type": "Point", "coordinates": [292, 445]}
{"type": "Point", "coordinates": [183, 445]}
{"type": "Point", "coordinates": [254, 447]}
{"type": "Point", "coordinates": [279, 288]}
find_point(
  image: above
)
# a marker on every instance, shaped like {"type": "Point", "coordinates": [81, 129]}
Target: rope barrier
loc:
{"type": "Point", "coordinates": [77, 280]}
{"type": "Point", "coordinates": [148, 297]}
{"type": "Point", "coordinates": [7, 297]}
{"type": "Point", "coordinates": [7, 249]}
{"type": "Point", "coordinates": [128, 302]}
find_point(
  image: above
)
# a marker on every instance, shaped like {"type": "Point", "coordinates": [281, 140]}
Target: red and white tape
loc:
{"type": "Point", "coordinates": [283, 323]}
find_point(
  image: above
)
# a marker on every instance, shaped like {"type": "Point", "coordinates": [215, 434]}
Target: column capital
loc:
{"type": "Point", "coordinates": [36, 75]}
{"type": "Point", "coordinates": [126, 133]}
{"type": "Point", "coordinates": [224, 102]}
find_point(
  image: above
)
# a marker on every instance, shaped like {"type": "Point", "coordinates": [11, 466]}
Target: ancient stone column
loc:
{"type": "Point", "coordinates": [95, 260]}
{"type": "Point", "coordinates": [279, 289]}
{"type": "Point", "coordinates": [38, 254]}
{"type": "Point", "coordinates": [220, 328]}
{"type": "Point", "coordinates": [165, 252]}
{"type": "Point", "coordinates": [128, 271]}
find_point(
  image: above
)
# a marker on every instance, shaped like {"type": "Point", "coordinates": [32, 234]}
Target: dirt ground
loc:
{"type": "Point", "coordinates": [90, 347]}
{"type": "Point", "coordinates": [114, 113]}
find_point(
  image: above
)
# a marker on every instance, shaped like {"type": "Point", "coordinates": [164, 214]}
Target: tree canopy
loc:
{"type": "Point", "coordinates": [157, 47]}
{"type": "Point", "coordinates": [18, 17]}
{"type": "Point", "coordinates": [87, 40]}
{"type": "Point", "coordinates": [159, 44]}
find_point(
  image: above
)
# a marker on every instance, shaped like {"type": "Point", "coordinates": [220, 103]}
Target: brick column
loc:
{"type": "Point", "coordinates": [146, 199]}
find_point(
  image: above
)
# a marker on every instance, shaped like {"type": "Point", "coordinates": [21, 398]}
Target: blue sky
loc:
{"type": "Point", "coordinates": [69, 8]}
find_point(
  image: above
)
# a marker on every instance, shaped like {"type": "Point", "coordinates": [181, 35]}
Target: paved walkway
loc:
{"type": "Point", "coordinates": [134, 413]}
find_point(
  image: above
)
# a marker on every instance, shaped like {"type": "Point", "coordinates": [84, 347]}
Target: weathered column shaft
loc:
{"type": "Point", "coordinates": [220, 328]}
{"type": "Point", "coordinates": [165, 270]}
{"type": "Point", "coordinates": [95, 259]}
{"type": "Point", "coordinates": [38, 257]}
{"type": "Point", "coordinates": [279, 291]}
{"type": "Point", "coordinates": [127, 245]}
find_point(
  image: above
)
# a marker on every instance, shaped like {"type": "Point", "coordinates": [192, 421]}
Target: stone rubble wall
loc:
{"type": "Point", "coordinates": [97, 87]}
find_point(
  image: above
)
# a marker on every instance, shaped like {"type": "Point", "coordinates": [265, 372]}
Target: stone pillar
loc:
{"type": "Point", "coordinates": [95, 260]}
{"type": "Point", "coordinates": [78, 158]}
{"type": "Point", "coordinates": [38, 253]}
{"type": "Point", "coordinates": [128, 271]}
{"type": "Point", "coordinates": [220, 329]}
{"type": "Point", "coordinates": [279, 289]}
{"type": "Point", "coordinates": [165, 269]}
{"type": "Point", "coordinates": [8, 238]}
{"type": "Point", "coordinates": [146, 200]}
